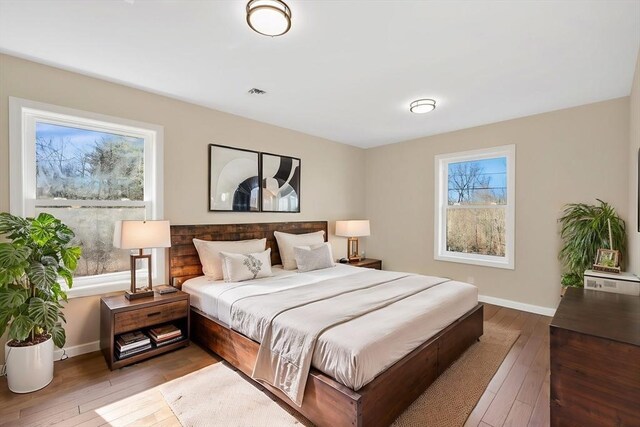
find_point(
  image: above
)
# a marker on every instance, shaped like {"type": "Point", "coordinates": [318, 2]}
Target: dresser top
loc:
{"type": "Point", "coordinates": [601, 314]}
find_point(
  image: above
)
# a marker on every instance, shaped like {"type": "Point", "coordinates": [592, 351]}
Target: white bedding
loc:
{"type": "Point", "coordinates": [358, 350]}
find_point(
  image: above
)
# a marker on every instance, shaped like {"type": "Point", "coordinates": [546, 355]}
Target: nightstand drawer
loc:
{"type": "Point", "coordinates": [143, 317]}
{"type": "Point", "coordinates": [374, 265]}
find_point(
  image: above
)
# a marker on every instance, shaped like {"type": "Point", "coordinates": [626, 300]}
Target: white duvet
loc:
{"type": "Point", "coordinates": [357, 347]}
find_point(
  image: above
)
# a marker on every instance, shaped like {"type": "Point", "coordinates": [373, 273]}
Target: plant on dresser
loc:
{"type": "Point", "coordinates": [38, 252]}
{"type": "Point", "coordinates": [585, 229]}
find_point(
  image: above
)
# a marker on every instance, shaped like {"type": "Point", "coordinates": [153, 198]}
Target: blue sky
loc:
{"type": "Point", "coordinates": [82, 139]}
{"type": "Point", "coordinates": [495, 168]}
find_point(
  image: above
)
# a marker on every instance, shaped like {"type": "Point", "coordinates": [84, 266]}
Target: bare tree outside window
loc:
{"type": "Point", "coordinates": [90, 167]}
{"type": "Point", "coordinates": [476, 207]}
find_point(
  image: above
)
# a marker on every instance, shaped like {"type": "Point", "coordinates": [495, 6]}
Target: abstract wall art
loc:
{"type": "Point", "coordinates": [280, 183]}
{"type": "Point", "coordinates": [234, 179]}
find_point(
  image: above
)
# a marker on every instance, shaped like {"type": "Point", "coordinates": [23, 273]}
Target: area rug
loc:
{"type": "Point", "coordinates": [219, 396]}
{"type": "Point", "coordinates": [454, 394]}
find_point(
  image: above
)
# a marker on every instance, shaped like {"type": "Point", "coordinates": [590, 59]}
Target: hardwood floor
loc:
{"type": "Point", "coordinates": [518, 394]}
{"type": "Point", "coordinates": [85, 393]}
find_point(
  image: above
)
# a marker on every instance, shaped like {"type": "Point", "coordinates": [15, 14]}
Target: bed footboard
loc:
{"type": "Point", "coordinates": [329, 403]}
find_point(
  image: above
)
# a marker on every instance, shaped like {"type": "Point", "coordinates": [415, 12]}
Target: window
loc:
{"type": "Point", "coordinates": [89, 171]}
{"type": "Point", "coordinates": [475, 207]}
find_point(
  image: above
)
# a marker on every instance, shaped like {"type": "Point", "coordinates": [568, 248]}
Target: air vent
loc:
{"type": "Point", "coordinates": [256, 91]}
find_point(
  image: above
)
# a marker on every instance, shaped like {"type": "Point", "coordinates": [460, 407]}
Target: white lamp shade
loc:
{"type": "Point", "coordinates": [353, 228]}
{"type": "Point", "coordinates": [141, 234]}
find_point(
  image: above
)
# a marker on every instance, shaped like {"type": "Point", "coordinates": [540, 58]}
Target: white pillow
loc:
{"type": "Point", "coordinates": [312, 258]}
{"type": "Point", "coordinates": [286, 243]}
{"type": "Point", "coordinates": [209, 253]}
{"type": "Point", "coordinates": [239, 267]}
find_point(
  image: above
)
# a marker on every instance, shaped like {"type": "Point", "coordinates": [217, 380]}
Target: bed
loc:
{"type": "Point", "coordinates": [358, 395]}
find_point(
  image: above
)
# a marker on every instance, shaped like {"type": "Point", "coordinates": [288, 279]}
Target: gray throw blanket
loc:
{"type": "Point", "coordinates": [291, 321]}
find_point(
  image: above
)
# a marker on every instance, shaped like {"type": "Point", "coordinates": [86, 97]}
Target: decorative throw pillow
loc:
{"type": "Point", "coordinates": [209, 253]}
{"type": "Point", "coordinates": [287, 241]}
{"type": "Point", "coordinates": [239, 267]}
{"type": "Point", "coordinates": [312, 258]}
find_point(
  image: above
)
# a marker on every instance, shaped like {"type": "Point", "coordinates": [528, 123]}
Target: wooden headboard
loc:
{"type": "Point", "coordinates": [183, 258]}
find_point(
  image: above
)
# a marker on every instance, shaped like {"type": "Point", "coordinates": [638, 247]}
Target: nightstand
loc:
{"type": "Point", "coordinates": [368, 263]}
{"type": "Point", "coordinates": [119, 315]}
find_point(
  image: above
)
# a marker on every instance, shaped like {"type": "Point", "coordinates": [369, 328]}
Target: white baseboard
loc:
{"type": "Point", "coordinates": [546, 311]}
{"type": "Point", "coordinates": [77, 350]}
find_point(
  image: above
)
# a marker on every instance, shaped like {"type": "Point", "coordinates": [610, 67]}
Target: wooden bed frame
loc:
{"type": "Point", "coordinates": [326, 402]}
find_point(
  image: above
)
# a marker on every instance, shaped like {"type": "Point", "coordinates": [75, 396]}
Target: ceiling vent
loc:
{"type": "Point", "coordinates": [256, 91]}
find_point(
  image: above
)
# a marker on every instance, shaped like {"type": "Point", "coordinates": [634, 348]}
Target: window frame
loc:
{"type": "Point", "coordinates": [23, 116]}
{"type": "Point", "coordinates": [442, 162]}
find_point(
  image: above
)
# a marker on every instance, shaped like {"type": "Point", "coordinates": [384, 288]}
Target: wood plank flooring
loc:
{"type": "Point", "coordinates": [518, 394]}
{"type": "Point", "coordinates": [85, 393]}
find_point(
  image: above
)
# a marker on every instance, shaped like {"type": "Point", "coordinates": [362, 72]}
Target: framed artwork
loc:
{"type": "Point", "coordinates": [638, 173]}
{"type": "Point", "coordinates": [280, 183]}
{"type": "Point", "coordinates": [607, 260]}
{"type": "Point", "coordinates": [234, 179]}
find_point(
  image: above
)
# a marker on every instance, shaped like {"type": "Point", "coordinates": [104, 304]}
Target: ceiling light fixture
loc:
{"type": "Point", "coordinates": [421, 106]}
{"type": "Point", "coordinates": [269, 17]}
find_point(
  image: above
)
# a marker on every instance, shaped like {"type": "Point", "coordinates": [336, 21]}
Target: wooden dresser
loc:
{"type": "Point", "coordinates": [595, 360]}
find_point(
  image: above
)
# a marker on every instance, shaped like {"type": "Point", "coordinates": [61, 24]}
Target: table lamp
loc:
{"type": "Point", "coordinates": [141, 235]}
{"type": "Point", "coordinates": [353, 229]}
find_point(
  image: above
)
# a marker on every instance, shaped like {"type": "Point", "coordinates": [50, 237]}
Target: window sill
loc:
{"type": "Point", "coordinates": [98, 289]}
{"type": "Point", "coordinates": [482, 260]}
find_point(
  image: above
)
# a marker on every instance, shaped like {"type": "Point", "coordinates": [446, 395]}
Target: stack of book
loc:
{"type": "Point", "coordinates": [131, 343]}
{"type": "Point", "coordinates": [165, 334]}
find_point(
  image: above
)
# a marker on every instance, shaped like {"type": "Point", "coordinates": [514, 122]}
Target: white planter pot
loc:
{"type": "Point", "coordinates": [29, 368]}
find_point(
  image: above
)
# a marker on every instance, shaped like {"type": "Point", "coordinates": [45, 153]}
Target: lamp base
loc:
{"type": "Point", "coordinates": [143, 293]}
{"type": "Point", "coordinates": [353, 253]}
{"type": "Point", "coordinates": [135, 292]}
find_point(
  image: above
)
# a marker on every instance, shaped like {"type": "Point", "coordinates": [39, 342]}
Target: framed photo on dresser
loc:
{"type": "Point", "coordinates": [280, 184]}
{"type": "Point", "coordinates": [234, 179]}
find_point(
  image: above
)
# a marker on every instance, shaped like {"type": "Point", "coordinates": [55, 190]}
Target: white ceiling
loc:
{"type": "Point", "coordinates": [347, 70]}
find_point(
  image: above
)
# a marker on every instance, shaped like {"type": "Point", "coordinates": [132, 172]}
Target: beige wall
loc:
{"type": "Point", "coordinates": [634, 146]}
{"type": "Point", "coordinates": [572, 155]}
{"type": "Point", "coordinates": [564, 156]}
{"type": "Point", "coordinates": [332, 174]}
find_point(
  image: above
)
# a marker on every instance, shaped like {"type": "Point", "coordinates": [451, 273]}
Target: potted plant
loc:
{"type": "Point", "coordinates": [585, 229]}
{"type": "Point", "coordinates": [36, 253]}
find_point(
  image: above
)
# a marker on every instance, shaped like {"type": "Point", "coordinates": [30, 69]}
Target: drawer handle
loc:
{"type": "Point", "coordinates": [156, 313]}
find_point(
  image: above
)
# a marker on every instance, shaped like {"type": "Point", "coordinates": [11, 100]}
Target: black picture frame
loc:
{"type": "Point", "coordinates": [280, 181]}
{"type": "Point", "coordinates": [245, 185]}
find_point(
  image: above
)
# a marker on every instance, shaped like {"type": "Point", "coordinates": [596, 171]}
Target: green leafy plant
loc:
{"type": "Point", "coordinates": [571, 279]}
{"type": "Point", "coordinates": [585, 229]}
{"type": "Point", "coordinates": [37, 254]}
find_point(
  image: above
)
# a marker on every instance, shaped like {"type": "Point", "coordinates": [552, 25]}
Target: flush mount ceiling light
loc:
{"type": "Point", "coordinates": [269, 17]}
{"type": "Point", "coordinates": [421, 106]}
